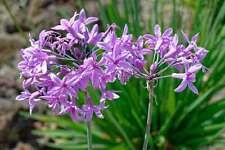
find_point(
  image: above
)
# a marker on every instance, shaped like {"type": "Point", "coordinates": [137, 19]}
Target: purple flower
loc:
{"type": "Point", "coordinates": [169, 53]}
{"type": "Point", "coordinates": [159, 41]}
{"type": "Point", "coordinates": [94, 36]}
{"type": "Point", "coordinates": [111, 95]}
{"type": "Point", "coordinates": [62, 87]}
{"type": "Point", "coordinates": [172, 47]}
{"type": "Point", "coordinates": [94, 70]}
{"type": "Point", "coordinates": [76, 27]}
{"type": "Point", "coordinates": [68, 59]}
{"type": "Point", "coordinates": [108, 42]}
{"type": "Point", "coordinates": [32, 98]}
{"type": "Point", "coordinates": [187, 78]}
{"type": "Point", "coordinates": [89, 109]}
{"type": "Point", "coordinates": [68, 26]}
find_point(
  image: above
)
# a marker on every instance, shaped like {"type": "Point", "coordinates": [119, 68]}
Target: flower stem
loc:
{"type": "Point", "coordinates": [89, 135]}
{"type": "Point", "coordinates": [149, 115]}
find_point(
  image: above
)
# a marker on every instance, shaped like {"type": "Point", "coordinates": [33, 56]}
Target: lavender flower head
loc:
{"type": "Point", "coordinates": [72, 56]}
{"type": "Point", "coordinates": [168, 53]}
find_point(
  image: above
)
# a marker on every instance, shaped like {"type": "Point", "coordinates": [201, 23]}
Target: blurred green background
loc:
{"type": "Point", "coordinates": [181, 121]}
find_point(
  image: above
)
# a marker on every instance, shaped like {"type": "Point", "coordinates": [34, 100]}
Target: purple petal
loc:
{"type": "Point", "coordinates": [201, 53]}
{"type": "Point", "coordinates": [157, 30]}
{"type": "Point", "coordinates": [110, 95]}
{"type": "Point", "coordinates": [24, 95]}
{"type": "Point", "coordinates": [195, 68]}
{"type": "Point", "coordinates": [172, 50]}
{"type": "Point", "coordinates": [149, 37]}
{"type": "Point", "coordinates": [99, 114]}
{"type": "Point", "coordinates": [83, 83]}
{"type": "Point", "coordinates": [82, 15]}
{"type": "Point", "coordinates": [195, 37]}
{"type": "Point", "coordinates": [147, 51]}
{"type": "Point", "coordinates": [186, 38]}
{"type": "Point", "coordinates": [139, 63]}
{"type": "Point", "coordinates": [153, 67]}
{"type": "Point", "coordinates": [189, 47]}
{"type": "Point", "coordinates": [28, 82]}
{"type": "Point", "coordinates": [75, 32]}
{"type": "Point", "coordinates": [178, 75]}
{"type": "Point", "coordinates": [168, 32]}
{"type": "Point", "coordinates": [59, 27]}
{"type": "Point", "coordinates": [72, 19]}
{"type": "Point", "coordinates": [140, 41]}
{"type": "Point", "coordinates": [95, 79]}
{"type": "Point", "coordinates": [73, 114]}
{"type": "Point", "coordinates": [158, 43]}
{"type": "Point", "coordinates": [72, 91]}
{"type": "Point", "coordinates": [193, 88]}
{"type": "Point", "coordinates": [33, 95]}
{"type": "Point", "coordinates": [90, 20]}
{"type": "Point", "coordinates": [175, 40]}
{"type": "Point", "coordinates": [125, 65]}
{"type": "Point", "coordinates": [182, 86]}
{"type": "Point", "coordinates": [55, 79]}
{"type": "Point", "coordinates": [94, 29]}
{"type": "Point", "coordinates": [104, 46]}
{"type": "Point", "coordinates": [64, 22]}
{"type": "Point", "coordinates": [125, 30]}
{"type": "Point", "coordinates": [97, 110]}
{"type": "Point", "coordinates": [93, 35]}
{"type": "Point", "coordinates": [44, 67]}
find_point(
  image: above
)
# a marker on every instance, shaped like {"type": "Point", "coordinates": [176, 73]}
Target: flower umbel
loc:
{"type": "Point", "coordinates": [72, 56]}
{"type": "Point", "coordinates": [168, 53]}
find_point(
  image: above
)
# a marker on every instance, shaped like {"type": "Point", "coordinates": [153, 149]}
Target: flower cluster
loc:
{"type": "Point", "coordinates": [71, 57]}
{"type": "Point", "coordinates": [168, 52]}
{"type": "Point", "coordinates": [74, 55]}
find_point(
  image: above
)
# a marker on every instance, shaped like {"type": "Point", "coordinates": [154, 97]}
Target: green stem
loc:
{"type": "Point", "coordinates": [149, 116]}
{"type": "Point", "coordinates": [89, 135]}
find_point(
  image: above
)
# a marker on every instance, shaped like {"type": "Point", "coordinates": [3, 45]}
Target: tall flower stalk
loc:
{"type": "Point", "coordinates": [149, 115]}
{"type": "Point", "coordinates": [89, 135]}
